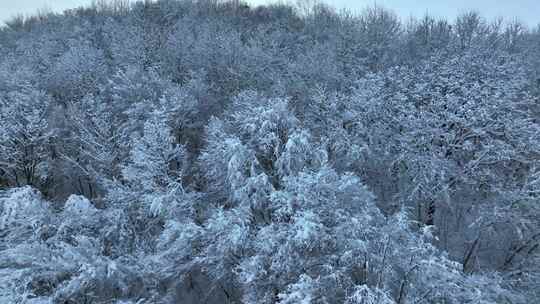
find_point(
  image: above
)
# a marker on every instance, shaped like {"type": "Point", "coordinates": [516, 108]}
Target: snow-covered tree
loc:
{"type": "Point", "coordinates": [24, 137]}
{"type": "Point", "coordinates": [154, 169]}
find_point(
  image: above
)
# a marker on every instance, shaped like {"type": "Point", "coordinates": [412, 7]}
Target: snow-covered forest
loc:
{"type": "Point", "coordinates": [182, 151]}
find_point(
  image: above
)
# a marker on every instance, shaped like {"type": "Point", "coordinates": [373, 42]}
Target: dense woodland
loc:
{"type": "Point", "coordinates": [216, 152]}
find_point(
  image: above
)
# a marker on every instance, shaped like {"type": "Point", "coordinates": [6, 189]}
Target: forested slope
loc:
{"type": "Point", "coordinates": [212, 152]}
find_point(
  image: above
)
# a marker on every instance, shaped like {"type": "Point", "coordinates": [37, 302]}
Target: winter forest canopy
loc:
{"type": "Point", "coordinates": [215, 152]}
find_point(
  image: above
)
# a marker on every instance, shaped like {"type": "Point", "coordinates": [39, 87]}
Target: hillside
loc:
{"type": "Point", "coordinates": [181, 151]}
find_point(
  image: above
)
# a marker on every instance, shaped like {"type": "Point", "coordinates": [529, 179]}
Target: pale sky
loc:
{"type": "Point", "coordinates": [526, 10]}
